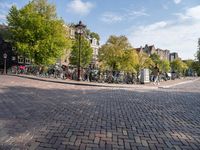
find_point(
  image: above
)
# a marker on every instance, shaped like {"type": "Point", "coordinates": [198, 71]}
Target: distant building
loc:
{"type": "Point", "coordinates": [13, 58]}
{"type": "Point", "coordinates": [164, 54]}
{"type": "Point", "coordinates": [64, 60]}
{"type": "Point", "coordinates": [70, 33]}
{"type": "Point", "coordinates": [95, 46]}
{"type": "Point", "coordinates": [139, 50]}
{"type": "Point", "coordinates": [173, 56]}
{"type": "Point", "coordinates": [149, 49]}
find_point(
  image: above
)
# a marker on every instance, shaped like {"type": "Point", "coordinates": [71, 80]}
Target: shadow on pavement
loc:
{"type": "Point", "coordinates": [98, 118]}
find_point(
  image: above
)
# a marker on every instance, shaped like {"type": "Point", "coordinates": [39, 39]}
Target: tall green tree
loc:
{"type": "Point", "coordinates": [144, 61]}
{"type": "Point", "coordinates": [85, 53]}
{"type": "Point", "coordinates": [198, 51]}
{"type": "Point", "coordinates": [164, 66]}
{"type": "Point", "coordinates": [155, 58]}
{"type": "Point", "coordinates": [129, 61]}
{"type": "Point", "coordinates": [37, 32]}
{"type": "Point", "coordinates": [112, 52]}
{"type": "Point", "coordinates": [178, 66]}
{"type": "Point", "coordinates": [196, 67]}
{"type": "Point", "coordinates": [96, 36]}
{"type": "Point", "coordinates": [90, 34]}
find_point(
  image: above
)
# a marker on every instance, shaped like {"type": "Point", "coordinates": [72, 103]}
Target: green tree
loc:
{"type": "Point", "coordinates": [192, 66]}
{"type": "Point", "coordinates": [90, 34]}
{"type": "Point", "coordinates": [37, 32]}
{"type": "Point", "coordinates": [112, 52]}
{"type": "Point", "coordinates": [196, 67]}
{"type": "Point", "coordinates": [179, 66]}
{"type": "Point", "coordinates": [95, 35]}
{"type": "Point", "coordinates": [85, 53]}
{"type": "Point", "coordinates": [155, 58]}
{"type": "Point", "coordinates": [198, 51]}
{"type": "Point", "coordinates": [144, 61]}
{"type": "Point", "coordinates": [129, 61]}
{"type": "Point", "coordinates": [164, 66]}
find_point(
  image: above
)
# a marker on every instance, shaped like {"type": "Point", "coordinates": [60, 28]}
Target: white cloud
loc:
{"type": "Point", "coordinates": [193, 13]}
{"type": "Point", "coordinates": [177, 1]}
{"type": "Point", "coordinates": [156, 25]}
{"type": "Point", "coordinates": [134, 14]}
{"type": "Point", "coordinates": [176, 35]}
{"type": "Point", "coordinates": [110, 17]}
{"type": "Point", "coordinates": [190, 14]}
{"type": "Point", "coordinates": [128, 14]}
{"type": "Point", "coordinates": [79, 7]}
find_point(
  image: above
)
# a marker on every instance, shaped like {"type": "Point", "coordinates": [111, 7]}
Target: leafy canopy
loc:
{"type": "Point", "coordinates": [117, 54]}
{"type": "Point", "coordinates": [155, 58]}
{"type": "Point", "coordinates": [178, 66]}
{"type": "Point", "coordinates": [85, 53]}
{"type": "Point", "coordinates": [37, 32]}
{"type": "Point", "coordinates": [144, 61]}
{"type": "Point", "coordinates": [198, 51]}
{"type": "Point", "coordinates": [164, 66]}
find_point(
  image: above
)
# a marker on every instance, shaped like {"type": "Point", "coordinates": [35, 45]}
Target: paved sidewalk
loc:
{"type": "Point", "coordinates": [163, 84]}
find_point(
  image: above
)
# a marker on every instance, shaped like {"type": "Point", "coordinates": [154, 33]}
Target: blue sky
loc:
{"type": "Point", "coordinates": [168, 24]}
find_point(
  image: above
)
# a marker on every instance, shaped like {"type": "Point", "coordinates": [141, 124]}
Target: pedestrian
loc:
{"type": "Point", "coordinates": [90, 76]}
{"type": "Point", "coordinates": [156, 75]}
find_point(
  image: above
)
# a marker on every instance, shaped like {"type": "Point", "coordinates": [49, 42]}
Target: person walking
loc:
{"type": "Point", "coordinates": [156, 75]}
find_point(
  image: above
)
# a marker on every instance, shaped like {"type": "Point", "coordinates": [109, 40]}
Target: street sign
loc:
{"type": "Point", "coordinates": [4, 55]}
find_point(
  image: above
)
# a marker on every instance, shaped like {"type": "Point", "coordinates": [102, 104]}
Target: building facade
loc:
{"type": "Point", "coordinates": [173, 56]}
{"type": "Point", "coordinates": [95, 46]}
{"type": "Point", "coordinates": [149, 49]}
{"type": "Point", "coordinates": [164, 54]}
{"type": "Point", "coordinates": [64, 60]}
{"type": "Point", "coordinates": [13, 59]}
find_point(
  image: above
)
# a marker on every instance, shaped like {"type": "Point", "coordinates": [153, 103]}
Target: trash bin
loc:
{"type": "Point", "coordinates": [144, 78]}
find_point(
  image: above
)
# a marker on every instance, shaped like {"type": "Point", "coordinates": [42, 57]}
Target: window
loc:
{"type": "Point", "coordinates": [72, 33]}
{"type": "Point", "coordinates": [20, 59]}
{"type": "Point", "coordinates": [27, 61]}
{"type": "Point", "coordinates": [94, 41]}
{"type": "Point", "coordinates": [13, 48]}
{"type": "Point", "coordinates": [13, 58]}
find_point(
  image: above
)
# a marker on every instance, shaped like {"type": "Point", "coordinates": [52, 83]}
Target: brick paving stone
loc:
{"type": "Point", "coordinates": [45, 115]}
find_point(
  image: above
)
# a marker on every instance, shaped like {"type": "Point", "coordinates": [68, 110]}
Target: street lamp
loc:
{"type": "Point", "coordinates": [5, 57]}
{"type": "Point", "coordinates": [79, 30]}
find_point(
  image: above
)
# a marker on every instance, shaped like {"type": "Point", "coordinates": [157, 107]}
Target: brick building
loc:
{"type": "Point", "coordinates": [164, 54]}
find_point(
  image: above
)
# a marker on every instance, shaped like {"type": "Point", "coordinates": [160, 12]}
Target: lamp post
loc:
{"type": "Point", "coordinates": [79, 30]}
{"type": "Point", "coordinates": [5, 57]}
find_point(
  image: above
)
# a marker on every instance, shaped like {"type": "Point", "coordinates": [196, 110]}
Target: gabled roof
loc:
{"type": "Point", "coordinates": [151, 47]}
{"type": "Point", "coordinates": [139, 49]}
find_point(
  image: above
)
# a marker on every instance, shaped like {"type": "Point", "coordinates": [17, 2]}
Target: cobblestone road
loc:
{"type": "Point", "coordinates": [42, 115]}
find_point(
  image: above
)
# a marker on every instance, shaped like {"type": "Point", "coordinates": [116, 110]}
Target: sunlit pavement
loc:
{"type": "Point", "coordinates": [47, 115]}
